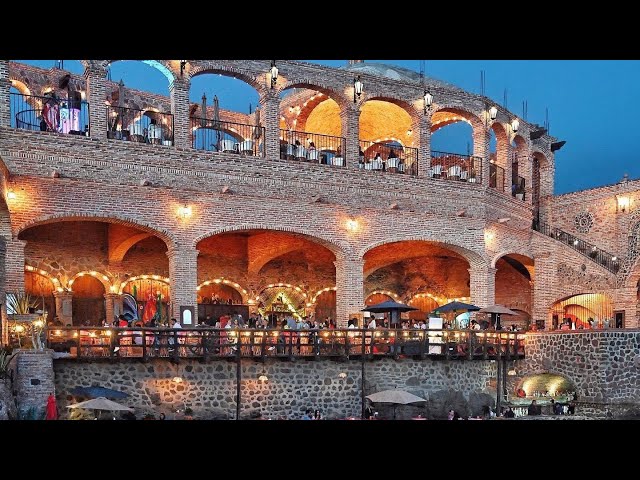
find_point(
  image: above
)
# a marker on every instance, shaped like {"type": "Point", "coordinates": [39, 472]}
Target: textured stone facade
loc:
{"type": "Point", "coordinates": [209, 389]}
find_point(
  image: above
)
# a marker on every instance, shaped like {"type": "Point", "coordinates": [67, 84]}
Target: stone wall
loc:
{"type": "Point", "coordinates": [209, 389]}
{"type": "Point", "coordinates": [33, 382]}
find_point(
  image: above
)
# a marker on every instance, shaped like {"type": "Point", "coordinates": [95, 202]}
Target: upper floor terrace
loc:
{"type": "Point", "coordinates": [377, 120]}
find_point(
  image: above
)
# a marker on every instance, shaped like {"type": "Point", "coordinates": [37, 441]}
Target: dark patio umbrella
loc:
{"type": "Point", "coordinates": [390, 306]}
{"type": "Point", "coordinates": [496, 311]}
{"type": "Point", "coordinates": [96, 391]}
{"type": "Point", "coordinates": [456, 307]}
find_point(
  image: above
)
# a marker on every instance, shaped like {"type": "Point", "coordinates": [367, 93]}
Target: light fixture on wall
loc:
{"type": "Point", "coordinates": [357, 88]}
{"type": "Point", "coordinates": [493, 113]}
{"type": "Point", "coordinates": [184, 212]}
{"type": "Point", "coordinates": [515, 124]}
{"type": "Point", "coordinates": [342, 375]}
{"type": "Point", "coordinates": [622, 203]}
{"type": "Point", "coordinates": [428, 100]}
{"type": "Point", "coordinates": [352, 225]}
{"type": "Point", "coordinates": [274, 73]}
{"type": "Point", "coordinates": [177, 379]}
{"type": "Point", "coordinates": [263, 377]}
{"type": "Point", "coordinates": [11, 195]}
{"type": "Point", "coordinates": [183, 64]}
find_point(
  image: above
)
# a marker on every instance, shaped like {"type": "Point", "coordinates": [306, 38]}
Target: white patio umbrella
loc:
{"type": "Point", "coordinates": [101, 403]}
{"type": "Point", "coordinates": [395, 396]}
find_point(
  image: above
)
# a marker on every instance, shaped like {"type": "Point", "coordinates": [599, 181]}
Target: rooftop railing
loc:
{"type": "Point", "coordinates": [312, 147]}
{"type": "Point", "coordinates": [228, 137]}
{"type": "Point", "coordinates": [383, 157]}
{"type": "Point", "coordinates": [141, 126]}
{"type": "Point", "coordinates": [50, 114]}
{"type": "Point", "coordinates": [210, 343]}
{"type": "Point", "coordinates": [456, 167]}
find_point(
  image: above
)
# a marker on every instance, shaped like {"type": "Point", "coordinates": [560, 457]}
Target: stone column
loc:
{"type": "Point", "coordinates": [350, 118]}
{"type": "Point", "coordinates": [422, 128]}
{"type": "Point", "coordinates": [34, 381]}
{"type": "Point", "coordinates": [626, 300]}
{"type": "Point", "coordinates": [64, 307]}
{"type": "Point", "coordinates": [5, 96]}
{"type": "Point", "coordinates": [183, 275]}
{"type": "Point", "coordinates": [96, 95]}
{"type": "Point", "coordinates": [504, 157]}
{"type": "Point", "coordinates": [544, 285]}
{"type": "Point", "coordinates": [350, 288]}
{"type": "Point", "coordinates": [481, 139]}
{"type": "Point", "coordinates": [179, 92]}
{"type": "Point", "coordinates": [482, 285]}
{"type": "Point", "coordinates": [270, 119]}
{"type": "Point", "coordinates": [14, 265]}
{"type": "Point", "coordinates": [113, 305]}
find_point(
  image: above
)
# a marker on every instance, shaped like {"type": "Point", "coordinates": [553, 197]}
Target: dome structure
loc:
{"type": "Point", "coordinates": [392, 72]}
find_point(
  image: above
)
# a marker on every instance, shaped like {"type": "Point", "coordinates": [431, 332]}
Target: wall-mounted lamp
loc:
{"type": "Point", "coordinates": [352, 225]}
{"type": "Point", "coordinates": [263, 378]}
{"type": "Point", "coordinates": [342, 375]}
{"type": "Point", "coordinates": [515, 124]}
{"type": "Point", "coordinates": [11, 195]}
{"type": "Point", "coordinates": [184, 212]}
{"type": "Point", "coordinates": [493, 113]}
{"type": "Point", "coordinates": [623, 203]}
{"type": "Point", "coordinates": [357, 88]}
{"type": "Point", "coordinates": [428, 100]}
{"type": "Point", "coordinates": [274, 73]}
{"type": "Point", "coordinates": [183, 64]}
{"type": "Point", "coordinates": [409, 132]}
{"type": "Point", "coordinates": [177, 379]}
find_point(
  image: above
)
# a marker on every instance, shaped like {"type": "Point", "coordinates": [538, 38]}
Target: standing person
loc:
{"type": "Point", "coordinates": [372, 322]}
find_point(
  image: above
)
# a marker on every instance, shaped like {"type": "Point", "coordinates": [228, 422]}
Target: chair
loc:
{"type": "Point", "coordinates": [301, 153]}
{"type": "Point", "coordinates": [337, 161]}
{"type": "Point", "coordinates": [393, 163]}
{"type": "Point", "coordinates": [464, 175]}
{"type": "Point", "coordinates": [155, 133]}
{"type": "Point", "coordinates": [376, 164]}
{"type": "Point", "coordinates": [246, 147]}
{"type": "Point", "coordinates": [454, 172]}
{"type": "Point", "coordinates": [290, 151]}
{"type": "Point", "coordinates": [313, 154]}
{"type": "Point", "coordinates": [437, 171]}
{"type": "Point", "coordinates": [228, 146]}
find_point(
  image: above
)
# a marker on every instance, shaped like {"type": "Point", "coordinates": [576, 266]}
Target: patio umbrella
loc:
{"type": "Point", "coordinates": [395, 396]}
{"type": "Point", "coordinates": [389, 306]}
{"type": "Point", "coordinates": [101, 403]}
{"type": "Point", "coordinates": [96, 392]}
{"type": "Point", "coordinates": [497, 310]}
{"type": "Point", "coordinates": [456, 307]}
{"type": "Point", "coordinates": [52, 408]}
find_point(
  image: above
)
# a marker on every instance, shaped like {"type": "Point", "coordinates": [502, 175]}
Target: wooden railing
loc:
{"type": "Point", "coordinates": [210, 343]}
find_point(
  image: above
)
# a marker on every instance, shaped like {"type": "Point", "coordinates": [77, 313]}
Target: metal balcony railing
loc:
{"type": "Point", "coordinates": [453, 166]}
{"type": "Point", "coordinates": [141, 126]}
{"type": "Point", "coordinates": [50, 113]}
{"type": "Point", "coordinates": [312, 147]}
{"type": "Point", "coordinates": [228, 137]}
{"type": "Point", "coordinates": [384, 157]}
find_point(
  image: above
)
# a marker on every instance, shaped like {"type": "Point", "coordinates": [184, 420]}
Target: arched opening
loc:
{"type": "Point", "coordinates": [49, 99]}
{"type": "Point", "coordinates": [225, 115]}
{"type": "Point", "coordinates": [281, 303]}
{"type": "Point", "coordinates": [543, 387]}
{"type": "Point", "coordinates": [514, 288]}
{"type": "Point", "coordinates": [88, 301]}
{"type": "Point", "coordinates": [325, 305]}
{"type": "Point", "coordinates": [151, 295]}
{"type": "Point", "coordinates": [412, 266]}
{"type": "Point", "coordinates": [261, 259]}
{"type": "Point", "coordinates": [139, 107]}
{"type": "Point", "coordinates": [387, 140]}
{"type": "Point", "coordinates": [425, 303]}
{"type": "Point", "coordinates": [584, 311]}
{"type": "Point", "coordinates": [451, 134]}
{"type": "Point", "coordinates": [66, 247]}
{"type": "Point", "coordinates": [218, 293]}
{"type": "Point", "coordinates": [310, 126]}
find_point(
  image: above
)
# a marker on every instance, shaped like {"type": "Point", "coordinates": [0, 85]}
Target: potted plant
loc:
{"type": "Point", "coordinates": [21, 306]}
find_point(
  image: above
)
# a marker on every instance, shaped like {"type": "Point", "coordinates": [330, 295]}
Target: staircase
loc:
{"type": "Point", "coordinates": [602, 258]}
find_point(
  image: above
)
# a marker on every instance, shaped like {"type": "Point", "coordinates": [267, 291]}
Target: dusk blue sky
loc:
{"type": "Point", "coordinates": [592, 105]}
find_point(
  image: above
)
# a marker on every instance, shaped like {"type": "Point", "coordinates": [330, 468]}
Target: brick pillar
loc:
{"type": "Point", "coordinates": [481, 139]}
{"type": "Point", "coordinates": [96, 96]}
{"type": "Point", "coordinates": [544, 285]}
{"type": "Point", "coordinates": [504, 157]}
{"type": "Point", "coordinates": [183, 275]}
{"type": "Point", "coordinates": [482, 285]}
{"type": "Point", "coordinates": [422, 128]}
{"type": "Point", "coordinates": [34, 381]}
{"type": "Point", "coordinates": [350, 288]}
{"type": "Point", "coordinates": [113, 305]}
{"type": "Point", "coordinates": [525, 169]}
{"type": "Point", "coordinates": [270, 119]}
{"type": "Point", "coordinates": [179, 92]}
{"type": "Point", "coordinates": [350, 118]}
{"type": "Point", "coordinates": [5, 97]}
{"type": "Point", "coordinates": [625, 299]}
{"type": "Point", "coordinates": [14, 265]}
{"type": "Point", "coordinates": [64, 307]}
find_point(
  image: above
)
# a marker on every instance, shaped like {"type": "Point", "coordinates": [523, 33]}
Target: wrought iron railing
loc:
{"type": "Point", "coordinates": [210, 343]}
{"type": "Point", "coordinates": [453, 166]}
{"type": "Point", "coordinates": [50, 114]}
{"type": "Point", "coordinates": [312, 147]}
{"type": "Point", "coordinates": [496, 177]}
{"type": "Point", "coordinates": [383, 157]}
{"type": "Point", "coordinates": [518, 187]}
{"type": "Point", "coordinates": [141, 126]}
{"type": "Point", "coordinates": [606, 259]}
{"type": "Point", "coordinates": [228, 137]}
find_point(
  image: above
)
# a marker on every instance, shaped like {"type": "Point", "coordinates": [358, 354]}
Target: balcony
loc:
{"type": "Point", "coordinates": [388, 157]}
{"type": "Point", "coordinates": [141, 126]}
{"type": "Point", "coordinates": [50, 113]}
{"type": "Point", "coordinates": [456, 167]}
{"type": "Point", "coordinates": [312, 147]}
{"type": "Point", "coordinates": [496, 177]}
{"type": "Point", "coordinates": [217, 136]}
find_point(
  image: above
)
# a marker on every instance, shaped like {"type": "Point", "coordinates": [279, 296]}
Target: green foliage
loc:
{"type": "Point", "coordinates": [20, 303]}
